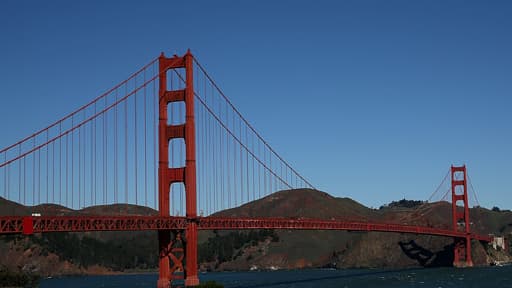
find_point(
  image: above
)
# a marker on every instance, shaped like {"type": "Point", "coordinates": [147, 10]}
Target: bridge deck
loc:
{"type": "Point", "coordinates": [29, 225]}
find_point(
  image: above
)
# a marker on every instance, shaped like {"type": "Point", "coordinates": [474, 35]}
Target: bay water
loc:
{"type": "Point", "coordinates": [432, 277]}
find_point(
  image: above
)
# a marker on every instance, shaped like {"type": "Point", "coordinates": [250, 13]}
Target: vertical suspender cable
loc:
{"type": "Point", "coordinates": [212, 163]}
{"type": "Point", "coordinates": [6, 194]}
{"type": "Point", "coordinates": [215, 160]}
{"type": "Point", "coordinates": [145, 146]}
{"type": "Point", "coordinates": [234, 164]}
{"type": "Point", "coordinates": [155, 140]}
{"type": "Point", "coordinates": [39, 176]}
{"type": "Point", "coordinates": [24, 180]}
{"type": "Point", "coordinates": [115, 150]}
{"type": "Point", "coordinates": [105, 151]}
{"type": "Point", "coordinates": [67, 170]}
{"type": "Point", "coordinates": [205, 172]}
{"type": "Point", "coordinates": [247, 162]}
{"type": "Point", "coordinates": [253, 184]}
{"type": "Point", "coordinates": [208, 163]}
{"type": "Point", "coordinates": [271, 170]}
{"type": "Point", "coordinates": [47, 169]}
{"type": "Point", "coordinates": [266, 174]}
{"type": "Point", "coordinates": [135, 143]}
{"type": "Point", "coordinates": [126, 145]}
{"type": "Point", "coordinates": [20, 190]}
{"type": "Point", "coordinates": [34, 172]}
{"type": "Point", "coordinates": [8, 179]}
{"type": "Point", "coordinates": [72, 164]}
{"type": "Point", "coordinates": [198, 151]}
{"type": "Point", "coordinates": [95, 150]}
{"type": "Point", "coordinates": [228, 182]}
{"type": "Point", "coordinates": [79, 167]}
{"type": "Point", "coordinates": [5, 177]}
{"type": "Point", "coordinates": [53, 171]}
{"type": "Point", "coordinates": [241, 164]}
{"type": "Point", "coordinates": [259, 171]}
{"type": "Point", "coordinates": [91, 191]}
{"type": "Point", "coordinates": [214, 168]}
{"type": "Point", "coordinates": [221, 161]}
{"type": "Point", "coordinates": [281, 174]}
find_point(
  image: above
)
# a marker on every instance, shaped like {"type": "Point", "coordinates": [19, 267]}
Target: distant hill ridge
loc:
{"type": "Point", "coordinates": [11, 208]}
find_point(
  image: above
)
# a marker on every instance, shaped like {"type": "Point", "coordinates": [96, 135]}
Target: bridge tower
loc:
{"type": "Point", "coordinates": [178, 249]}
{"type": "Point", "coordinates": [460, 217]}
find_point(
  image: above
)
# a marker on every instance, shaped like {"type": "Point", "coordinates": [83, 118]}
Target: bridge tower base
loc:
{"type": "Point", "coordinates": [178, 249]}
{"type": "Point", "coordinates": [460, 217]}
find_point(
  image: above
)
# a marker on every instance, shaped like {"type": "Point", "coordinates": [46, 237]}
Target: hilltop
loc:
{"type": "Point", "coordinates": [113, 252]}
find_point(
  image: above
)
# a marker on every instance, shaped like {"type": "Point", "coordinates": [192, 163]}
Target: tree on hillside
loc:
{"type": "Point", "coordinates": [404, 203]}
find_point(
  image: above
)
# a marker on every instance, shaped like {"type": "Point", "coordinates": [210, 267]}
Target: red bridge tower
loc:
{"type": "Point", "coordinates": [173, 245]}
{"type": "Point", "coordinates": [461, 223]}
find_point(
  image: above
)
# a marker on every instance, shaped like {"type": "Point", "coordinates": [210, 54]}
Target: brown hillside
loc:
{"type": "Point", "coordinates": [302, 203]}
{"type": "Point", "coordinates": [299, 249]}
{"type": "Point", "coordinates": [10, 208]}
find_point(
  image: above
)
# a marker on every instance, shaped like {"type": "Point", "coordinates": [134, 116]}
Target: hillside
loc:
{"type": "Point", "coordinates": [299, 249]}
{"type": "Point", "coordinates": [78, 253]}
{"type": "Point", "coordinates": [112, 252]}
{"type": "Point", "coordinates": [302, 203]}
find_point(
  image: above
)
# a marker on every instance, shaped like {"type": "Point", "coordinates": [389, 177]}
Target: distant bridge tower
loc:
{"type": "Point", "coordinates": [460, 215]}
{"type": "Point", "coordinates": [175, 247]}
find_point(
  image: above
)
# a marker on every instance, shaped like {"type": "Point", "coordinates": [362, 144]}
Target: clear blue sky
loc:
{"type": "Point", "coordinates": [372, 100]}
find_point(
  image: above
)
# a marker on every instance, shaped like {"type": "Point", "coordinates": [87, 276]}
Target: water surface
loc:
{"type": "Point", "coordinates": [435, 277]}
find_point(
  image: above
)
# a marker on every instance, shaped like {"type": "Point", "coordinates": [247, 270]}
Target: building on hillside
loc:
{"type": "Point", "coordinates": [499, 242]}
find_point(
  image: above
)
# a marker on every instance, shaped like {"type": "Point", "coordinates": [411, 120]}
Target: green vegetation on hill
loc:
{"type": "Point", "coordinates": [404, 203]}
{"type": "Point", "coordinates": [227, 247]}
{"type": "Point", "coordinates": [116, 251]}
{"type": "Point", "coordinates": [85, 251]}
{"type": "Point", "coordinates": [17, 279]}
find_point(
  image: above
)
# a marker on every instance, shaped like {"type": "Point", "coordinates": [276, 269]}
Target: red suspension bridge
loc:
{"type": "Point", "coordinates": [168, 138]}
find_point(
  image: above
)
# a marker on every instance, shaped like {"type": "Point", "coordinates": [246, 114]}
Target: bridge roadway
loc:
{"type": "Point", "coordinates": [29, 225]}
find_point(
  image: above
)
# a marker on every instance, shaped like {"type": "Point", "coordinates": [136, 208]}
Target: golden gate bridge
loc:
{"type": "Point", "coordinates": [167, 137]}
